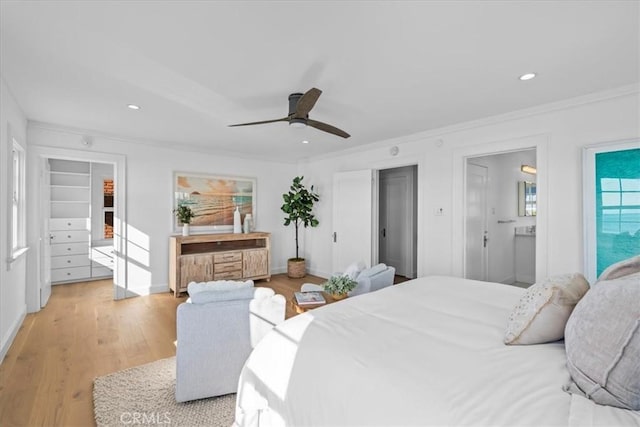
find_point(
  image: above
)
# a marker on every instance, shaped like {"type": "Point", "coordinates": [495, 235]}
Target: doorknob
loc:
{"type": "Point", "coordinates": [335, 237]}
{"type": "Point", "coordinates": [484, 241]}
{"type": "Point", "coordinates": [384, 232]}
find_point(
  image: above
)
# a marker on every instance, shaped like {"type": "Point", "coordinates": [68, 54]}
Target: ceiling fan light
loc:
{"type": "Point", "coordinates": [297, 123]}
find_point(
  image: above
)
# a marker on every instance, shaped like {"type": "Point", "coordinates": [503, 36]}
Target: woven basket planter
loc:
{"type": "Point", "coordinates": [296, 268]}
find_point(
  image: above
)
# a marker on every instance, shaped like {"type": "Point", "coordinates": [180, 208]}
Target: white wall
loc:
{"type": "Point", "coordinates": [566, 127]}
{"type": "Point", "coordinates": [13, 124]}
{"type": "Point", "coordinates": [149, 197]}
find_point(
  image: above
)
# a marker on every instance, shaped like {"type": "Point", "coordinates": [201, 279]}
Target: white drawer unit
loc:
{"type": "Point", "coordinates": [57, 224]}
{"type": "Point", "coordinates": [70, 236]}
{"type": "Point", "coordinates": [69, 261]}
{"type": "Point", "coordinates": [70, 274]}
{"type": "Point", "coordinates": [69, 249]}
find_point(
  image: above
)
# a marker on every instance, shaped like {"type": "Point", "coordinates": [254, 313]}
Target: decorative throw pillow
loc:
{"type": "Point", "coordinates": [541, 314]}
{"type": "Point", "coordinates": [602, 340]}
{"type": "Point", "coordinates": [353, 270]}
{"type": "Point", "coordinates": [620, 269]}
{"type": "Point", "coordinates": [370, 272]}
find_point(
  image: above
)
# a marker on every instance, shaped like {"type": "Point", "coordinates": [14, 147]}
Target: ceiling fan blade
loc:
{"type": "Point", "coordinates": [284, 119]}
{"type": "Point", "coordinates": [306, 103]}
{"type": "Point", "coordinates": [327, 128]}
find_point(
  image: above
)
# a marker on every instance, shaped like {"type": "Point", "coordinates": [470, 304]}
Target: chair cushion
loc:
{"type": "Point", "coordinates": [370, 272]}
{"type": "Point", "coordinates": [541, 314]}
{"type": "Point", "coordinates": [620, 269]}
{"type": "Point", "coordinates": [220, 290]}
{"type": "Point", "coordinates": [602, 340]}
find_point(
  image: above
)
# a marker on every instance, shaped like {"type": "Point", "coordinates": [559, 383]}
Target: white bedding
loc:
{"type": "Point", "coordinates": [425, 352]}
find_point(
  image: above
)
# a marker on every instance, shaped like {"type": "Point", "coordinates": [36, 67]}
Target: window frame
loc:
{"type": "Point", "coordinates": [17, 193]}
{"type": "Point", "coordinates": [589, 200]}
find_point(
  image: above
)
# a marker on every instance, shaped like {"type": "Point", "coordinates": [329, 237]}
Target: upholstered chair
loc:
{"type": "Point", "coordinates": [369, 279]}
{"type": "Point", "coordinates": [216, 329]}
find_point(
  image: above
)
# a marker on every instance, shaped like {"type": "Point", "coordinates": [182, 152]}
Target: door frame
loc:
{"type": "Point", "coordinates": [485, 221]}
{"type": "Point", "coordinates": [538, 142]}
{"type": "Point", "coordinates": [35, 155]}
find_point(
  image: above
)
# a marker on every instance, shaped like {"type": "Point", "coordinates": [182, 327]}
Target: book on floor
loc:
{"type": "Point", "coordinates": [309, 298]}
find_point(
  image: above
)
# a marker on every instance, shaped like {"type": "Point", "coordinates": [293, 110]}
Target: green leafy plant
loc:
{"type": "Point", "coordinates": [184, 214]}
{"type": "Point", "coordinates": [298, 205]}
{"type": "Point", "coordinates": [339, 285]}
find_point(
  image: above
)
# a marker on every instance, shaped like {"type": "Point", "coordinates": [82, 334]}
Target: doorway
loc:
{"type": "Point", "coordinates": [500, 229]}
{"type": "Point", "coordinates": [397, 219]}
{"type": "Point", "coordinates": [42, 192]}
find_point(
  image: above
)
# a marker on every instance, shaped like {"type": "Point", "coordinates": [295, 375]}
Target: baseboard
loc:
{"type": "Point", "coordinates": [507, 280]}
{"type": "Point", "coordinates": [7, 340]}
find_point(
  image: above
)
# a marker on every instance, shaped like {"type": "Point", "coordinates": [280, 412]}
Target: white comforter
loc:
{"type": "Point", "coordinates": [425, 352]}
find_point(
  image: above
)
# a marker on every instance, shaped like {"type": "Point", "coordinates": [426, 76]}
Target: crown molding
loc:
{"type": "Point", "coordinates": [34, 124]}
{"type": "Point", "coordinates": [565, 104]}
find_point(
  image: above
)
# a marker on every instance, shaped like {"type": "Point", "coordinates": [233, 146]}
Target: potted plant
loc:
{"type": "Point", "coordinates": [338, 286]}
{"type": "Point", "coordinates": [298, 205]}
{"type": "Point", "coordinates": [184, 215]}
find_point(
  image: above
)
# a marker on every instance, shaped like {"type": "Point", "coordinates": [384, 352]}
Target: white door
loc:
{"type": "Point", "coordinates": [352, 218]}
{"type": "Point", "coordinates": [45, 239]}
{"type": "Point", "coordinates": [477, 235]}
{"type": "Point", "coordinates": [394, 224]}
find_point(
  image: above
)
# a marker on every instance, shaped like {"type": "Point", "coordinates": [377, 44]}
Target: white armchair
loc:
{"type": "Point", "coordinates": [216, 331]}
{"type": "Point", "coordinates": [369, 279]}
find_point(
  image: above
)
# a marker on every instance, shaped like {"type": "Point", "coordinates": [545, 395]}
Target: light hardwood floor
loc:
{"type": "Point", "coordinates": [46, 378]}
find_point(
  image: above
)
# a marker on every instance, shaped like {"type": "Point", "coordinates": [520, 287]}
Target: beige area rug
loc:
{"type": "Point", "coordinates": [145, 395]}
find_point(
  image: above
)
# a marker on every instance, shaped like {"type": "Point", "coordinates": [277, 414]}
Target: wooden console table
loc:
{"type": "Point", "coordinates": [205, 257]}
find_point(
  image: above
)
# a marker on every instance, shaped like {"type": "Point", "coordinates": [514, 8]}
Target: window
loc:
{"type": "Point", "coordinates": [107, 194]}
{"type": "Point", "coordinates": [17, 198]}
{"type": "Point", "coordinates": [611, 204]}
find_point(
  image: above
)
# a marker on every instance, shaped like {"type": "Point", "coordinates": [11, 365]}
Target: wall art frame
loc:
{"type": "Point", "coordinates": [213, 200]}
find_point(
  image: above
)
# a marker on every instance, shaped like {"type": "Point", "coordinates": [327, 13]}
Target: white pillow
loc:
{"type": "Point", "coordinates": [217, 285]}
{"type": "Point", "coordinates": [620, 269]}
{"type": "Point", "coordinates": [542, 313]}
{"type": "Point", "coordinates": [353, 270]}
{"type": "Point", "coordinates": [370, 272]}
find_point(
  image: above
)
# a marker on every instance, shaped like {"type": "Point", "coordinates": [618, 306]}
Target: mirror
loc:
{"type": "Point", "coordinates": [526, 198]}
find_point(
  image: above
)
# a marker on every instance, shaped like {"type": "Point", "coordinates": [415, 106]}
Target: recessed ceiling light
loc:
{"type": "Point", "coordinates": [134, 106]}
{"type": "Point", "coordinates": [305, 142]}
{"type": "Point", "coordinates": [527, 76]}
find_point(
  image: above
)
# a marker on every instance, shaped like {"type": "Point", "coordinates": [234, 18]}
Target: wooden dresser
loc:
{"type": "Point", "coordinates": [205, 257]}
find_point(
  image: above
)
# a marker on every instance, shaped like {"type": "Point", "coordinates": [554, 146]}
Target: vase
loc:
{"type": "Point", "coordinates": [338, 297]}
{"type": "Point", "coordinates": [237, 225]}
{"type": "Point", "coordinates": [185, 229]}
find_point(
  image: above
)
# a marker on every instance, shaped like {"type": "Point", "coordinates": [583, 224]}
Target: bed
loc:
{"type": "Point", "coordinates": [426, 352]}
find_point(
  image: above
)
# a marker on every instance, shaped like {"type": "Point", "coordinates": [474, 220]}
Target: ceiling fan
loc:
{"type": "Point", "coordinates": [299, 106]}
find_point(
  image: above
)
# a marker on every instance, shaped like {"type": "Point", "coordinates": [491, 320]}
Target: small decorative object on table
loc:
{"type": "Point", "coordinates": [339, 286]}
{"type": "Point", "coordinates": [237, 225]}
{"type": "Point", "coordinates": [248, 223]}
{"type": "Point", "coordinates": [309, 298]}
{"type": "Point", "coordinates": [184, 215]}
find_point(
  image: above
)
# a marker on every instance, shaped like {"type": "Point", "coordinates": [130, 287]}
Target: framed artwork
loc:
{"type": "Point", "coordinates": [213, 200]}
{"type": "Point", "coordinates": [611, 204]}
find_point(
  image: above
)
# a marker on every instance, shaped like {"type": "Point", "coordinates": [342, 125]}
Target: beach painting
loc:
{"type": "Point", "coordinates": [213, 200]}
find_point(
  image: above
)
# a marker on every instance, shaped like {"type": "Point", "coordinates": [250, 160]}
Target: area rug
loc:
{"type": "Point", "coordinates": [145, 395]}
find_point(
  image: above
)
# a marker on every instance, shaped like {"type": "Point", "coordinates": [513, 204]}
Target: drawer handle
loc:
{"type": "Point", "coordinates": [68, 274]}
{"type": "Point", "coordinates": [68, 236]}
{"type": "Point", "coordinates": [69, 224]}
{"type": "Point", "coordinates": [68, 261]}
{"type": "Point", "coordinates": [68, 249]}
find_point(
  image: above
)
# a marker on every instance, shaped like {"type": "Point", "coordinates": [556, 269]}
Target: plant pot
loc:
{"type": "Point", "coordinates": [296, 268]}
{"type": "Point", "coordinates": [338, 297]}
{"type": "Point", "coordinates": [185, 229]}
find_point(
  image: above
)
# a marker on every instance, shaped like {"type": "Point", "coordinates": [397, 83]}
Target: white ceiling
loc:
{"type": "Point", "coordinates": [387, 69]}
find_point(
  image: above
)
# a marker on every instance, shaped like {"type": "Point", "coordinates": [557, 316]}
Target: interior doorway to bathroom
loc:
{"type": "Point", "coordinates": [500, 217]}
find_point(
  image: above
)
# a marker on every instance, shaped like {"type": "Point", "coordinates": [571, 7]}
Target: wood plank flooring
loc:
{"type": "Point", "coordinates": [46, 378]}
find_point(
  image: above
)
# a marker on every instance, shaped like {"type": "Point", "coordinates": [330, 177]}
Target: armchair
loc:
{"type": "Point", "coordinates": [369, 279]}
{"type": "Point", "coordinates": [216, 331]}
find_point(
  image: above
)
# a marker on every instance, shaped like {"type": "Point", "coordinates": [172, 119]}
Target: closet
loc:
{"type": "Point", "coordinates": [80, 220]}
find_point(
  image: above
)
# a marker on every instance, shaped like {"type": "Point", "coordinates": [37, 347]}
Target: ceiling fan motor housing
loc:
{"type": "Point", "coordinates": [293, 103]}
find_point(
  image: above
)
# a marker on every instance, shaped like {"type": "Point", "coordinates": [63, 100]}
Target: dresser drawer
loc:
{"type": "Point", "coordinates": [69, 261]}
{"type": "Point", "coordinates": [229, 275]}
{"type": "Point", "coordinates": [70, 236]}
{"type": "Point", "coordinates": [227, 257]}
{"type": "Point", "coordinates": [69, 249]}
{"type": "Point", "coordinates": [102, 263]}
{"type": "Point", "coordinates": [56, 224]}
{"type": "Point", "coordinates": [222, 267]}
{"type": "Point", "coordinates": [101, 272]}
{"type": "Point", "coordinates": [72, 273]}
